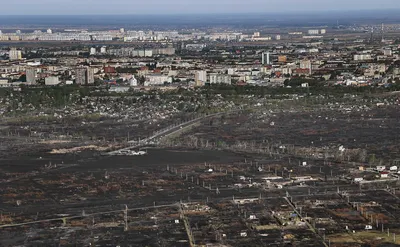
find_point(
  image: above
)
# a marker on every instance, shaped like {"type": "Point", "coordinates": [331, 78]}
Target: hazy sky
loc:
{"type": "Point", "coordinates": [185, 6]}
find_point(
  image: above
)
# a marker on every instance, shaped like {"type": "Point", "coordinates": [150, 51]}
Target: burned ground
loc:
{"type": "Point", "coordinates": [280, 174]}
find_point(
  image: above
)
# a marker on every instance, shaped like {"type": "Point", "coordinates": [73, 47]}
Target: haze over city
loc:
{"type": "Point", "coordinates": [73, 7]}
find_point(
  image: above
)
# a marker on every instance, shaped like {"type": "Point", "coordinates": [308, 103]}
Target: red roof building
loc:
{"type": "Point", "coordinates": [109, 70]}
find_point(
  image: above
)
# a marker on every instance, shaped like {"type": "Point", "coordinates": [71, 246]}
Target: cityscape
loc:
{"type": "Point", "coordinates": [201, 129]}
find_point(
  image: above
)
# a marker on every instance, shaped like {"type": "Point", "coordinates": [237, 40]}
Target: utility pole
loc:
{"type": "Point", "coordinates": [126, 218]}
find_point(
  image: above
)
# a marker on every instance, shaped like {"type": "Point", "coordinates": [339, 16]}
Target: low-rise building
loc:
{"type": "Point", "coordinates": [51, 81]}
{"type": "Point", "coordinates": [219, 78]}
{"type": "Point", "coordinates": [156, 80]}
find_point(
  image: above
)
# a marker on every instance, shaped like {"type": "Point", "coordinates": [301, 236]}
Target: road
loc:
{"type": "Point", "coordinates": [166, 132]}
{"type": "Point", "coordinates": [174, 204]}
{"type": "Point", "coordinates": [64, 219]}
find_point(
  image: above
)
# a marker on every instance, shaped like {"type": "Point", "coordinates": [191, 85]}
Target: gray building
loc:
{"type": "Point", "coordinates": [265, 58]}
{"type": "Point", "coordinates": [80, 76]}
{"type": "Point", "coordinates": [31, 76]}
{"type": "Point", "coordinates": [89, 76]}
{"type": "Point", "coordinates": [51, 81]}
{"type": "Point", "coordinates": [84, 76]}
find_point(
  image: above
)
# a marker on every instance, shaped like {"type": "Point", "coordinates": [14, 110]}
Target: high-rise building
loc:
{"type": "Point", "coordinates": [122, 30]}
{"type": "Point", "coordinates": [313, 32]}
{"type": "Point", "coordinates": [80, 76]}
{"type": "Point", "coordinates": [323, 31]}
{"type": "Point", "coordinates": [200, 77]}
{"type": "Point", "coordinates": [278, 37]}
{"type": "Point", "coordinates": [18, 32]}
{"type": "Point", "coordinates": [265, 58]}
{"type": "Point", "coordinates": [306, 64]}
{"type": "Point", "coordinates": [103, 49]}
{"type": "Point", "coordinates": [89, 76]}
{"type": "Point", "coordinates": [84, 76]}
{"type": "Point", "coordinates": [15, 54]}
{"type": "Point", "coordinates": [31, 76]}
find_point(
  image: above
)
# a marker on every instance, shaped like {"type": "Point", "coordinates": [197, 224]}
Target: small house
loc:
{"type": "Point", "coordinates": [357, 180]}
{"type": "Point", "coordinates": [384, 174]}
{"type": "Point", "coordinates": [380, 168]}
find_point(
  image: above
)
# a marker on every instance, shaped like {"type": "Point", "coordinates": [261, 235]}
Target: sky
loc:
{"type": "Point", "coordinates": [71, 7]}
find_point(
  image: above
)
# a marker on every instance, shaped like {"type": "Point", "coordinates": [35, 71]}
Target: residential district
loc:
{"type": "Point", "coordinates": [200, 136]}
{"type": "Point", "coordinates": [155, 58]}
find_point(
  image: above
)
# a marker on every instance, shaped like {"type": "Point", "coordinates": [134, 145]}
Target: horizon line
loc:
{"type": "Point", "coordinates": [214, 13]}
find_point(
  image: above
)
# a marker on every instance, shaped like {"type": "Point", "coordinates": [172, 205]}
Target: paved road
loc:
{"type": "Point", "coordinates": [166, 132]}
